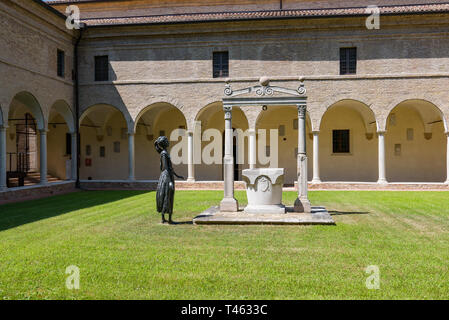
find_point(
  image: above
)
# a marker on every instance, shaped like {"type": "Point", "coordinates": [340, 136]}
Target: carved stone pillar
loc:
{"type": "Point", "coordinates": [316, 158]}
{"type": "Point", "coordinates": [302, 203]}
{"type": "Point", "coordinates": [381, 153]}
{"type": "Point", "coordinates": [252, 149]}
{"type": "Point", "coordinates": [229, 203]}
{"type": "Point", "coordinates": [190, 162]}
{"type": "Point", "coordinates": [131, 157]}
{"type": "Point", "coordinates": [74, 163]}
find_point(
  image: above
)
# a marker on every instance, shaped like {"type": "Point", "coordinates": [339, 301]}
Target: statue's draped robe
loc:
{"type": "Point", "coordinates": [166, 186]}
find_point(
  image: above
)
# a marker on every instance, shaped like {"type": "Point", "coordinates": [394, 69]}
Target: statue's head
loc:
{"type": "Point", "coordinates": [161, 143]}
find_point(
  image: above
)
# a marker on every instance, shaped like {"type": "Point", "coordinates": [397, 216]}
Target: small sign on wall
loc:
{"type": "Point", "coordinates": [397, 149]}
{"type": "Point", "coordinates": [410, 134]}
{"type": "Point", "coordinates": [117, 147]}
{"type": "Point", "coordinates": [88, 162]}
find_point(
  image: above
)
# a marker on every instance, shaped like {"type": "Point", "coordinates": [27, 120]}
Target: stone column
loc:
{"type": "Point", "coordinates": [447, 158]}
{"type": "Point", "coordinates": [43, 155]}
{"type": "Point", "coordinates": [131, 155]}
{"type": "Point", "coordinates": [382, 172]}
{"type": "Point", "coordinates": [3, 184]}
{"type": "Point", "coordinates": [229, 203]}
{"type": "Point", "coordinates": [190, 162]}
{"type": "Point", "coordinates": [316, 157]}
{"type": "Point", "coordinates": [302, 203]}
{"type": "Point", "coordinates": [252, 149]}
{"type": "Point", "coordinates": [74, 156]}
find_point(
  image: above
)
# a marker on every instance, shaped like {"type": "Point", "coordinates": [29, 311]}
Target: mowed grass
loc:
{"type": "Point", "coordinates": [123, 252]}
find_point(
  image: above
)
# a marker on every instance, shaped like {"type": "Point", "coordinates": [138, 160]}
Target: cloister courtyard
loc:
{"type": "Point", "coordinates": [122, 250]}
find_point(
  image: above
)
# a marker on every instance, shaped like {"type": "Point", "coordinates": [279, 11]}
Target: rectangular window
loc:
{"type": "Point", "coordinates": [221, 64]}
{"type": "Point", "coordinates": [68, 144]}
{"type": "Point", "coordinates": [348, 60]}
{"type": "Point", "coordinates": [102, 68]}
{"type": "Point", "coordinates": [340, 141]}
{"type": "Point", "coordinates": [61, 64]}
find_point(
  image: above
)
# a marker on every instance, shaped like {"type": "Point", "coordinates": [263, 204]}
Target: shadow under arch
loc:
{"type": "Point", "coordinates": [30, 102]}
{"type": "Point", "coordinates": [156, 119]}
{"type": "Point", "coordinates": [104, 143]}
{"type": "Point", "coordinates": [415, 142]}
{"type": "Point", "coordinates": [150, 115]}
{"type": "Point", "coordinates": [214, 108]}
{"type": "Point", "coordinates": [285, 120]}
{"type": "Point", "coordinates": [348, 144]}
{"type": "Point", "coordinates": [212, 116]}
{"type": "Point", "coordinates": [62, 108]}
{"type": "Point", "coordinates": [428, 111]}
{"type": "Point", "coordinates": [366, 114]}
{"type": "Point", "coordinates": [127, 117]}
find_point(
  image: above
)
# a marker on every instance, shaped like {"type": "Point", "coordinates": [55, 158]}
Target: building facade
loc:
{"type": "Point", "coordinates": [378, 99]}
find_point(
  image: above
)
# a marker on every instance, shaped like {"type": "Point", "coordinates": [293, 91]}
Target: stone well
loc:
{"type": "Point", "coordinates": [264, 190]}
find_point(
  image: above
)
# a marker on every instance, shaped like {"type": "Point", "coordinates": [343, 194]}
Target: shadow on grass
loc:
{"type": "Point", "coordinates": [17, 214]}
{"type": "Point", "coordinates": [341, 213]}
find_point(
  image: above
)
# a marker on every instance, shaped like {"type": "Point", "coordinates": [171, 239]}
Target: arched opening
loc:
{"type": "Point", "coordinates": [415, 143]}
{"type": "Point", "coordinates": [348, 143]}
{"type": "Point", "coordinates": [212, 117]}
{"type": "Point", "coordinates": [25, 119]}
{"type": "Point", "coordinates": [59, 140]}
{"type": "Point", "coordinates": [159, 119]}
{"type": "Point", "coordinates": [104, 144]}
{"type": "Point", "coordinates": [285, 120]}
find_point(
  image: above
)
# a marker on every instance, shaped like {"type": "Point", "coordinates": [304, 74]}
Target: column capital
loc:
{"type": "Point", "coordinates": [302, 109]}
{"type": "Point", "coordinates": [228, 112]}
{"type": "Point", "coordinates": [315, 132]}
{"type": "Point", "coordinates": [381, 132]}
{"type": "Point", "coordinates": [447, 133]}
{"type": "Point", "coordinates": [43, 131]}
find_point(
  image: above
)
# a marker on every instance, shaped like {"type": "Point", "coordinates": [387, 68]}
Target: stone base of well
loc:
{"type": "Point", "coordinates": [319, 216]}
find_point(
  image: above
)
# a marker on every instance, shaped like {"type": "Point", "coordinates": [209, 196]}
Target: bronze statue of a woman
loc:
{"type": "Point", "coordinates": [166, 187]}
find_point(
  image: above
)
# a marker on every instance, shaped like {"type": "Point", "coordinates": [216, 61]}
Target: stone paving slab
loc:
{"type": "Point", "coordinates": [319, 216]}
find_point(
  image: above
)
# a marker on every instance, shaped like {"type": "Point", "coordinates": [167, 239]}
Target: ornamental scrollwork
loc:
{"type": "Point", "coordinates": [228, 90]}
{"type": "Point", "coordinates": [264, 91]}
{"type": "Point", "coordinates": [302, 89]}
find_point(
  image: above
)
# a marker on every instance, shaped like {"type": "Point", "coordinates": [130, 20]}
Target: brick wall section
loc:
{"type": "Point", "coordinates": [36, 192]}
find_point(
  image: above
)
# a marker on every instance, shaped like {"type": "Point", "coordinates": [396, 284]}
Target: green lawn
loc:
{"type": "Point", "coordinates": [123, 252]}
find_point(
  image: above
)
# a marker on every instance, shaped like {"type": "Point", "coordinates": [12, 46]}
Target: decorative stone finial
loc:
{"type": "Point", "coordinates": [264, 81]}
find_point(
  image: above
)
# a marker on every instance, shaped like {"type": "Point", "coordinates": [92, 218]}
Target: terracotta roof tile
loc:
{"type": "Point", "coordinates": [268, 14]}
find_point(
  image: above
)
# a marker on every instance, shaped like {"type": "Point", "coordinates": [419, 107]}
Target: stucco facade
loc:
{"type": "Point", "coordinates": [160, 79]}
